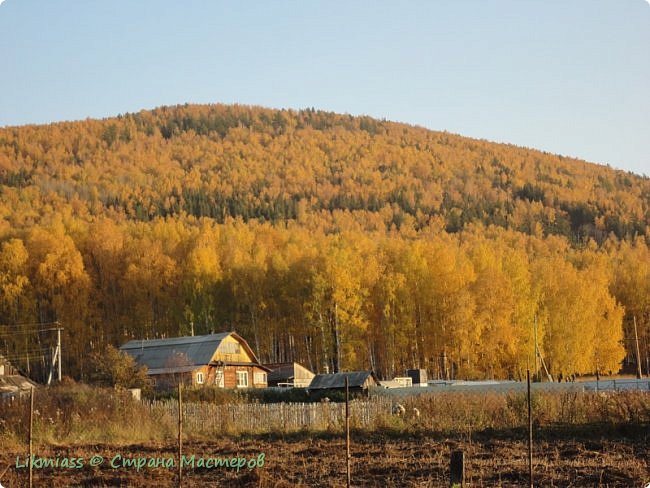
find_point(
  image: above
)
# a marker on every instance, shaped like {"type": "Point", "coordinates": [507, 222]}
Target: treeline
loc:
{"type": "Point", "coordinates": [340, 242]}
{"type": "Point", "coordinates": [461, 305]}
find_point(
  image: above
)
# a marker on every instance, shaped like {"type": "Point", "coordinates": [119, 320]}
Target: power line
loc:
{"type": "Point", "coordinates": [35, 350]}
{"type": "Point", "coordinates": [18, 355]}
{"type": "Point", "coordinates": [31, 324]}
{"type": "Point", "coordinates": [11, 331]}
{"type": "Point", "coordinates": [26, 332]}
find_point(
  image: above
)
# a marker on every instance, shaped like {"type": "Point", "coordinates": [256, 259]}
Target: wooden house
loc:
{"type": "Point", "coordinates": [223, 360]}
{"type": "Point", "coordinates": [291, 375]}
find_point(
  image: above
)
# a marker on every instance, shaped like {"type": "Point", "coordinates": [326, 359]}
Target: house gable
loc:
{"type": "Point", "coordinates": [234, 349]}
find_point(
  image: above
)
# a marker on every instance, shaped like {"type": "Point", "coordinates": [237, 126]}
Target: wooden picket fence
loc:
{"type": "Point", "coordinates": [269, 417]}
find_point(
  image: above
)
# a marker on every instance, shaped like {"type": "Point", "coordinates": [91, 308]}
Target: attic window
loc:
{"type": "Point", "coordinates": [199, 378]}
{"type": "Point", "coordinates": [230, 348]}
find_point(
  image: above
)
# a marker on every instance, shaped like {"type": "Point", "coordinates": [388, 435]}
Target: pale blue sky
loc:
{"type": "Point", "coordinates": [566, 76]}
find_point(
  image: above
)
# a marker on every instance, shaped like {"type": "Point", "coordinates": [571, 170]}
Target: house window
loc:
{"type": "Point", "coordinates": [218, 379]}
{"type": "Point", "coordinates": [259, 378]}
{"type": "Point", "coordinates": [242, 379]}
{"type": "Point", "coordinates": [229, 348]}
{"type": "Point", "coordinates": [199, 378]}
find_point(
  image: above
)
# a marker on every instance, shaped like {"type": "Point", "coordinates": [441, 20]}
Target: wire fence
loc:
{"type": "Point", "coordinates": [627, 384]}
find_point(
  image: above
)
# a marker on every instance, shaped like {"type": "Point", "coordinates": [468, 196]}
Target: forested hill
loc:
{"type": "Point", "coordinates": [336, 241]}
{"type": "Point", "coordinates": [237, 161]}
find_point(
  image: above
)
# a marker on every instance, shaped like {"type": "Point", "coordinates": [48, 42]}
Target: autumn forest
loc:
{"type": "Point", "coordinates": [340, 242]}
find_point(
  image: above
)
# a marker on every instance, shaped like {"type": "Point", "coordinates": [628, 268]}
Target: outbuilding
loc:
{"type": "Point", "coordinates": [357, 381]}
{"type": "Point", "coordinates": [289, 375]}
{"type": "Point", "coordinates": [12, 383]}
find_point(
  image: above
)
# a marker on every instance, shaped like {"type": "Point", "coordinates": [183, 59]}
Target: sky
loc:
{"type": "Point", "coordinates": [567, 77]}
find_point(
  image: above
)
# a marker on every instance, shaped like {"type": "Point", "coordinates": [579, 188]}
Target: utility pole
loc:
{"type": "Point", "coordinates": [538, 355]}
{"type": "Point", "coordinates": [56, 357]}
{"type": "Point", "coordinates": [638, 354]}
{"type": "Point", "coordinates": [536, 375]}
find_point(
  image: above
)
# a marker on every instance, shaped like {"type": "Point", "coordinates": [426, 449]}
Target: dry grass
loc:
{"type": "Point", "coordinates": [472, 412]}
{"type": "Point", "coordinates": [582, 439]}
{"type": "Point", "coordinates": [80, 414]}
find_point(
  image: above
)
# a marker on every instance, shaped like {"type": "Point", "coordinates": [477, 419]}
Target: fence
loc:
{"type": "Point", "coordinates": [456, 387]}
{"type": "Point", "coordinates": [259, 417]}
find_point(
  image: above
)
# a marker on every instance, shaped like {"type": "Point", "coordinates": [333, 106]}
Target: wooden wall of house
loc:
{"type": "Point", "coordinates": [210, 375]}
{"type": "Point", "coordinates": [167, 381]}
{"type": "Point", "coordinates": [231, 376]}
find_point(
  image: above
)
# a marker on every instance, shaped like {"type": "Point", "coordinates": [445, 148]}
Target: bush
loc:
{"type": "Point", "coordinates": [116, 368]}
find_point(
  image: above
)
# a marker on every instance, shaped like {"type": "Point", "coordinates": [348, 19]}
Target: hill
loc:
{"type": "Point", "coordinates": [334, 240]}
{"type": "Point", "coordinates": [254, 163]}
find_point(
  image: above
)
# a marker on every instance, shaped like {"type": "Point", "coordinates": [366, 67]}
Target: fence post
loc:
{"type": "Point", "coordinates": [31, 429]}
{"type": "Point", "coordinates": [347, 428]}
{"type": "Point", "coordinates": [530, 433]}
{"type": "Point", "coordinates": [180, 435]}
{"type": "Point", "coordinates": [457, 469]}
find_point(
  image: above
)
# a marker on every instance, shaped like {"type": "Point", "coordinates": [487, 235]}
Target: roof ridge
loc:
{"type": "Point", "coordinates": [139, 343]}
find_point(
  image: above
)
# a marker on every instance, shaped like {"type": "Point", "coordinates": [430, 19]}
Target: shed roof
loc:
{"type": "Point", "coordinates": [356, 379]}
{"type": "Point", "coordinates": [15, 383]}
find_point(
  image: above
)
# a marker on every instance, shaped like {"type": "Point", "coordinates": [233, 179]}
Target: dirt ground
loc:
{"type": "Point", "coordinates": [586, 459]}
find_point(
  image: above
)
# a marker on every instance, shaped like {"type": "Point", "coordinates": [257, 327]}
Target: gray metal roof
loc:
{"type": "Point", "coordinates": [172, 370]}
{"type": "Point", "coordinates": [14, 384]}
{"type": "Point", "coordinates": [356, 379]}
{"type": "Point", "coordinates": [280, 372]}
{"type": "Point", "coordinates": [176, 353]}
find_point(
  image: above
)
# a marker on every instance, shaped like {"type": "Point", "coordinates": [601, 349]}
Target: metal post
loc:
{"type": "Point", "coordinates": [31, 429]}
{"type": "Point", "coordinates": [457, 469]}
{"type": "Point", "coordinates": [536, 351]}
{"type": "Point", "coordinates": [530, 433]}
{"type": "Point", "coordinates": [180, 434]}
{"type": "Point", "coordinates": [58, 349]}
{"type": "Point", "coordinates": [347, 429]}
{"type": "Point", "coordinates": [638, 354]}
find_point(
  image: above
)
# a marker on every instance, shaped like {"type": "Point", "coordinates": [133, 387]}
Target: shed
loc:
{"type": "Point", "coordinates": [289, 375]}
{"type": "Point", "coordinates": [357, 380]}
{"type": "Point", "coordinates": [11, 382]}
{"type": "Point", "coordinates": [418, 376]}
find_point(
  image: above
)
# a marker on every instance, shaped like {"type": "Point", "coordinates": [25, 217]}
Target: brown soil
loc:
{"type": "Point", "coordinates": [492, 460]}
